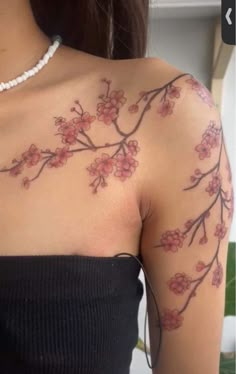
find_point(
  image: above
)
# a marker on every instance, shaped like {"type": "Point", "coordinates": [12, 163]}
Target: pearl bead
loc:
{"type": "Point", "coordinates": [45, 59]}
{"type": "Point", "coordinates": [40, 64]}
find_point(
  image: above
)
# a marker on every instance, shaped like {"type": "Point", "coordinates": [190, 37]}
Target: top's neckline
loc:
{"type": "Point", "coordinates": [71, 256]}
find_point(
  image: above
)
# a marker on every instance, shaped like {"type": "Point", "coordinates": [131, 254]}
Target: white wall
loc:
{"type": "Point", "coordinates": [229, 124]}
{"type": "Point", "coordinates": [188, 45]}
{"type": "Point", "coordinates": [185, 43]}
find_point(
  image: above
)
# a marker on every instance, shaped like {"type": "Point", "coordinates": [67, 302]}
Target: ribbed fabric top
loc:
{"type": "Point", "coordinates": [68, 314]}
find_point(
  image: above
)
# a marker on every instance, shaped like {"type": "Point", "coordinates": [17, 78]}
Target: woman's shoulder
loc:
{"type": "Point", "coordinates": [132, 72]}
{"type": "Point", "coordinates": [145, 98]}
{"type": "Point", "coordinates": [130, 77]}
{"type": "Point", "coordinates": [76, 64]}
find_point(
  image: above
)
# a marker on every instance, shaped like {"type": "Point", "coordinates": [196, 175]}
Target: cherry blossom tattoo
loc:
{"type": "Point", "coordinates": [172, 240]}
{"type": "Point", "coordinates": [120, 161]}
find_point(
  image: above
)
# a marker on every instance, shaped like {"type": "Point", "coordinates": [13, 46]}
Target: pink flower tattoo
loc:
{"type": "Point", "coordinates": [171, 241]}
{"type": "Point", "coordinates": [171, 319]}
{"type": "Point", "coordinates": [180, 283]}
{"type": "Point", "coordinates": [201, 90]}
{"type": "Point", "coordinates": [119, 159]}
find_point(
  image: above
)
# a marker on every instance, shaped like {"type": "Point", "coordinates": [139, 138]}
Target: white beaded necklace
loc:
{"type": "Point", "coordinates": [30, 73]}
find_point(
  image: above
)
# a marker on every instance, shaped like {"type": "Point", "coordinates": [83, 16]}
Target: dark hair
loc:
{"type": "Point", "coordinates": [114, 29]}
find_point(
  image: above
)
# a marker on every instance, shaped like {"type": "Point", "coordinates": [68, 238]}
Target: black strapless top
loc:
{"type": "Point", "coordinates": [68, 314]}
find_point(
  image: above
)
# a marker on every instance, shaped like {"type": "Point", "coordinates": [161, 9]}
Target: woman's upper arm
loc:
{"type": "Point", "coordinates": [189, 194]}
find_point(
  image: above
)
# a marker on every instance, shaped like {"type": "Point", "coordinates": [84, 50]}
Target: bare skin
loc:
{"type": "Point", "coordinates": [57, 215]}
{"type": "Point", "coordinates": [99, 157]}
{"type": "Point", "coordinates": [35, 218]}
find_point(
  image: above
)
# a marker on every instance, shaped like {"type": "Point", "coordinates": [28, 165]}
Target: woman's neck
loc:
{"type": "Point", "coordinates": [21, 41]}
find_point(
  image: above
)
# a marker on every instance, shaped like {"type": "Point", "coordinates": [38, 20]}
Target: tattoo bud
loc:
{"type": "Point", "coordinates": [133, 108]}
{"type": "Point", "coordinates": [59, 120]}
{"type": "Point", "coordinates": [14, 160]}
{"type": "Point", "coordinates": [105, 80]}
{"type": "Point", "coordinates": [207, 215]}
{"type": "Point", "coordinates": [76, 102]}
{"type": "Point", "coordinates": [203, 240]}
{"type": "Point", "coordinates": [189, 223]}
{"type": "Point", "coordinates": [144, 95]}
{"type": "Point", "coordinates": [198, 172]}
{"type": "Point", "coordinates": [26, 182]}
{"type": "Point", "coordinates": [200, 266]}
{"type": "Point", "coordinates": [72, 109]}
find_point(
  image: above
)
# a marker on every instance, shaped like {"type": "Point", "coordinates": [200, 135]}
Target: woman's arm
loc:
{"type": "Point", "coordinates": [189, 194]}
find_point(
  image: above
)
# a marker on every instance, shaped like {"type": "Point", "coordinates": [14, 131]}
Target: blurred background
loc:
{"type": "Point", "coordinates": [187, 34]}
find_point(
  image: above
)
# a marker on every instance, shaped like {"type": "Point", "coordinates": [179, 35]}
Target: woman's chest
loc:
{"type": "Point", "coordinates": [58, 213]}
{"type": "Point", "coordinates": [61, 198]}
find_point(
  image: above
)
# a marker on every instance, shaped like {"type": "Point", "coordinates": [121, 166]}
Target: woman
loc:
{"type": "Point", "coordinates": [109, 160]}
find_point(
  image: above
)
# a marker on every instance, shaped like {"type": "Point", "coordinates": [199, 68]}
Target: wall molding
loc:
{"type": "Point", "coordinates": [183, 4]}
{"type": "Point", "coordinates": [221, 56]}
